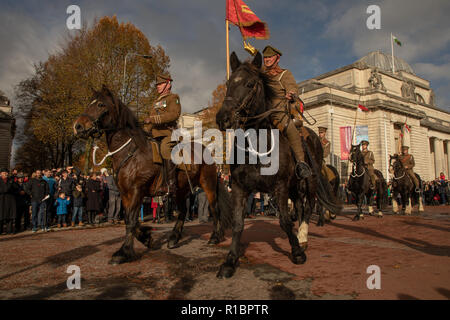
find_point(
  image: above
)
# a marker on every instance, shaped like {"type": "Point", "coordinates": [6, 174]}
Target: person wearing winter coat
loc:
{"type": "Point", "coordinates": [7, 201]}
{"type": "Point", "coordinates": [78, 198]}
{"type": "Point", "coordinates": [61, 205]}
{"type": "Point", "coordinates": [94, 201]}
{"type": "Point", "coordinates": [39, 192]}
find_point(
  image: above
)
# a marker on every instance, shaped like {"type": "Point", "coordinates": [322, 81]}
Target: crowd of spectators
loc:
{"type": "Point", "coordinates": [56, 197]}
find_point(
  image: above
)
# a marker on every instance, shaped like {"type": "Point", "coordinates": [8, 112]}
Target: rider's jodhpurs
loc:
{"type": "Point", "coordinates": [279, 119]}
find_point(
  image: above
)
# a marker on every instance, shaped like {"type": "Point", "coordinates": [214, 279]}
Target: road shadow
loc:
{"type": "Point", "coordinates": [417, 224]}
{"type": "Point", "coordinates": [424, 246]}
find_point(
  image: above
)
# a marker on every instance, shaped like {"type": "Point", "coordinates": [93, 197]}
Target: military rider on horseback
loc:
{"type": "Point", "coordinates": [326, 146]}
{"type": "Point", "coordinates": [408, 163]}
{"type": "Point", "coordinates": [369, 160]}
{"type": "Point", "coordinates": [162, 120]}
{"type": "Point", "coordinates": [285, 89]}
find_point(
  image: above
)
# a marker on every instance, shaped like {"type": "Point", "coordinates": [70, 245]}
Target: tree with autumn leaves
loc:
{"type": "Point", "coordinates": [61, 87]}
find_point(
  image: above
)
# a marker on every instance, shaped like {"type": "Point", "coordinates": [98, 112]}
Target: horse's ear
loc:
{"type": "Point", "coordinates": [234, 61]}
{"type": "Point", "coordinates": [106, 91]}
{"type": "Point", "coordinates": [257, 60]}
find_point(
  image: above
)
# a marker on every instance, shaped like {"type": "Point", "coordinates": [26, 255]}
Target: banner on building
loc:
{"type": "Point", "coordinates": [362, 133]}
{"type": "Point", "coordinates": [346, 141]}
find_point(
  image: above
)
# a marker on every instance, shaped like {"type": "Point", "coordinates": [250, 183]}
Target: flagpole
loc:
{"type": "Point", "coordinates": [392, 50]}
{"type": "Point", "coordinates": [228, 48]}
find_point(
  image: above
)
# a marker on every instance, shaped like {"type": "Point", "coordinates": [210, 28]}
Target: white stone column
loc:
{"type": "Point", "coordinates": [448, 158]}
{"type": "Point", "coordinates": [438, 157]}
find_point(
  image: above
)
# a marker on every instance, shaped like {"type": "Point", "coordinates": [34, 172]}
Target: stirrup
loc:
{"type": "Point", "coordinates": [302, 170]}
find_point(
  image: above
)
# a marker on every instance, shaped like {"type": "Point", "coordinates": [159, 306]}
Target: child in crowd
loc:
{"type": "Point", "coordinates": [78, 196]}
{"type": "Point", "coordinates": [61, 208]}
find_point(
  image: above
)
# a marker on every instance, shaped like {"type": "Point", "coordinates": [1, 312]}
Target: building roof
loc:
{"type": "Point", "coordinates": [383, 62]}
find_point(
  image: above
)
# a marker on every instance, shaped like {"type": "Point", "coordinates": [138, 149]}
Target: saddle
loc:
{"type": "Point", "coordinates": [160, 184]}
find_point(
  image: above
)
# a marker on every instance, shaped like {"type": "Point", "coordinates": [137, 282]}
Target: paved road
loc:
{"type": "Point", "coordinates": [412, 253]}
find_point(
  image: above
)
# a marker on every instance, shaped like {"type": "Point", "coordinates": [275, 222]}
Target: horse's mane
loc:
{"type": "Point", "coordinates": [268, 91]}
{"type": "Point", "coordinates": [125, 119]}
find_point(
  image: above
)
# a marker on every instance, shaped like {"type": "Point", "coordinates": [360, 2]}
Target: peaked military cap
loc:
{"type": "Point", "coordinates": [270, 51]}
{"type": "Point", "coordinates": [163, 78]}
{"type": "Point", "coordinates": [323, 129]}
{"type": "Point", "coordinates": [405, 147]}
{"type": "Point", "coordinates": [365, 142]}
{"type": "Point", "coordinates": [4, 170]}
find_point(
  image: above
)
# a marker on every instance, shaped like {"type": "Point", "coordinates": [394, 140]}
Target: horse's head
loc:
{"type": "Point", "coordinates": [101, 114]}
{"type": "Point", "coordinates": [397, 165]}
{"type": "Point", "coordinates": [245, 96]}
{"type": "Point", "coordinates": [355, 153]}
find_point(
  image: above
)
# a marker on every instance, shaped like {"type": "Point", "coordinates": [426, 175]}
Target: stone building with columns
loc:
{"type": "Point", "coordinates": [402, 111]}
{"type": "Point", "coordinates": [7, 130]}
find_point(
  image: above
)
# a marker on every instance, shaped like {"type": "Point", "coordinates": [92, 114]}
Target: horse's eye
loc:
{"type": "Point", "coordinates": [101, 105]}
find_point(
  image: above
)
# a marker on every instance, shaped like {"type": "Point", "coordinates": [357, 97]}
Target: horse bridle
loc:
{"type": "Point", "coordinates": [244, 101]}
{"type": "Point", "coordinates": [354, 169]}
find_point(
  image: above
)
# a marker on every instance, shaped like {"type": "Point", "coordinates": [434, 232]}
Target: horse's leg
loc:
{"type": "Point", "coordinates": [209, 186]}
{"type": "Point", "coordinates": [380, 202]}
{"type": "Point", "coordinates": [321, 219]}
{"type": "Point", "coordinates": [358, 198]}
{"type": "Point", "coordinates": [175, 235]}
{"type": "Point", "coordinates": [394, 201]}
{"type": "Point", "coordinates": [408, 204]}
{"type": "Point", "coordinates": [302, 234]}
{"type": "Point", "coordinates": [421, 209]}
{"type": "Point", "coordinates": [239, 196]}
{"type": "Point", "coordinates": [131, 202]}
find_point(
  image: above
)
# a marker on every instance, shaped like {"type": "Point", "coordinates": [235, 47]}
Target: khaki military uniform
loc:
{"type": "Point", "coordinates": [369, 160]}
{"type": "Point", "coordinates": [163, 118]}
{"type": "Point", "coordinates": [409, 163]}
{"type": "Point", "coordinates": [326, 146]}
{"type": "Point", "coordinates": [282, 83]}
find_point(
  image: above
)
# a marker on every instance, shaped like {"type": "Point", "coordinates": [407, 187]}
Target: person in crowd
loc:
{"type": "Point", "coordinates": [114, 201]}
{"type": "Point", "coordinates": [78, 201]}
{"type": "Point", "coordinates": [48, 177]}
{"type": "Point", "coordinates": [61, 205]}
{"type": "Point", "coordinates": [442, 186]}
{"type": "Point", "coordinates": [39, 192]}
{"type": "Point", "coordinates": [7, 201]}
{"type": "Point", "coordinates": [203, 206]}
{"type": "Point", "coordinates": [22, 204]}
{"type": "Point", "coordinates": [94, 201]}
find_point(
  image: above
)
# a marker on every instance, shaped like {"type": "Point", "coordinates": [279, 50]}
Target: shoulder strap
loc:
{"type": "Point", "coordinates": [281, 76]}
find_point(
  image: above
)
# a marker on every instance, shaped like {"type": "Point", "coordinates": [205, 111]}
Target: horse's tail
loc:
{"type": "Point", "coordinates": [224, 205]}
{"type": "Point", "coordinates": [383, 188]}
{"type": "Point", "coordinates": [325, 193]}
{"type": "Point", "coordinates": [335, 180]}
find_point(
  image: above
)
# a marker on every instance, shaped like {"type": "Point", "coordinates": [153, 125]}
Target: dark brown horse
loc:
{"type": "Point", "coordinates": [137, 174]}
{"type": "Point", "coordinates": [402, 185]}
{"type": "Point", "coordinates": [247, 106]}
{"type": "Point", "coordinates": [359, 184]}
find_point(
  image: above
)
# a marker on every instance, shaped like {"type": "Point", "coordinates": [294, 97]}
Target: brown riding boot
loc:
{"type": "Point", "coordinates": [302, 169]}
{"type": "Point", "coordinates": [171, 177]}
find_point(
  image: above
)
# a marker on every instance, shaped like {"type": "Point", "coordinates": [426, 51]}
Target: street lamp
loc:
{"type": "Point", "coordinates": [145, 56]}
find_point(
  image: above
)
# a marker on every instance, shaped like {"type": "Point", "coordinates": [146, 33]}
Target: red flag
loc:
{"type": "Point", "coordinates": [362, 107]}
{"type": "Point", "coordinates": [407, 128]}
{"type": "Point", "coordinates": [241, 15]}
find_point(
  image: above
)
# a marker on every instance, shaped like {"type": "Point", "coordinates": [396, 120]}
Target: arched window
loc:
{"type": "Point", "coordinates": [419, 98]}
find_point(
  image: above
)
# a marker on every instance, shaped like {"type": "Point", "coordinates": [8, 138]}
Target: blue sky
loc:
{"type": "Point", "coordinates": [315, 36]}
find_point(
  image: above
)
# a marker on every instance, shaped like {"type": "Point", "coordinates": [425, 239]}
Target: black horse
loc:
{"type": "Point", "coordinates": [359, 184]}
{"type": "Point", "coordinates": [326, 215]}
{"type": "Point", "coordinates": [403, 185]}
{"type": "Point", "coordinates": [246, 106]}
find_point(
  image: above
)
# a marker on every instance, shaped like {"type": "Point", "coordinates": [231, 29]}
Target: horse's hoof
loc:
{"type": "Point", "coordinates": [303, 245]}
{"type": "Point", "coordinates": [214, 240]}
{"type": "Point", "coordinates": [355, 218]}
{"type": "Point", "coordinates": [119, 259]}
{"type": "Point", "coordinates": [299, 259]}
{"type": "Point", "coordinates": [173, 241]}
{"type": "Point", "coordinates": [226, 271]}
